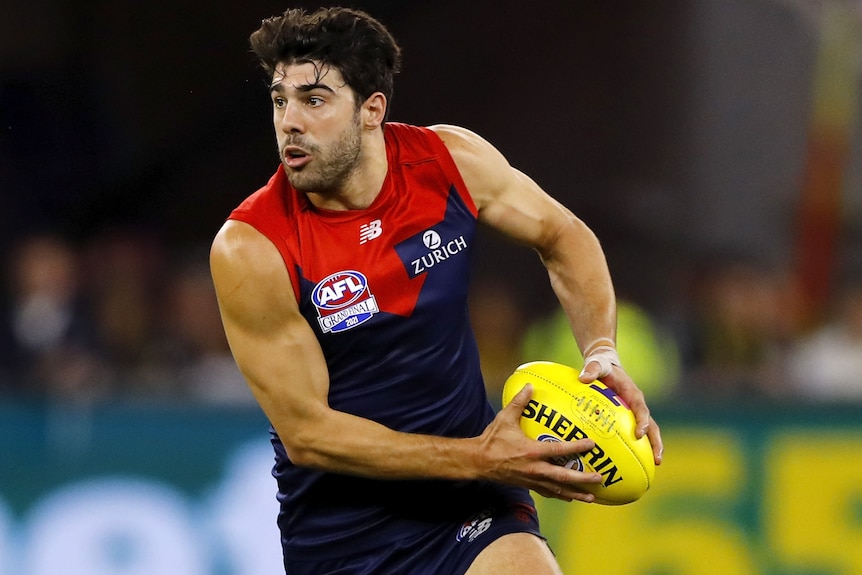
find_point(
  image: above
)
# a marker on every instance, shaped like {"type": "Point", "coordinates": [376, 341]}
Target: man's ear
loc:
{"type": "Point", "coordinates": [374, 110]}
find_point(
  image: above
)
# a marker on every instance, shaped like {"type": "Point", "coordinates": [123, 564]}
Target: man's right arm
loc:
{"type": "Point", "coordinates": [279, 355]}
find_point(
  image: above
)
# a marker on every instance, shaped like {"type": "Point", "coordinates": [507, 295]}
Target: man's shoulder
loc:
{"type": "Point", "coordinates": [444, 133]}
{"type": "Point", "coordinates": [456, 138]}
{"type": "Point", "coordinates": [406, 133]}
{"type": "Point", "coordinates": [410, 143]}
{"type": "Point", "coordinates": [449, 137]}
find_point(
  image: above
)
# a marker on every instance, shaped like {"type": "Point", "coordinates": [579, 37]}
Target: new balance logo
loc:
{"type": "Point", "coordinates": [370, 231]}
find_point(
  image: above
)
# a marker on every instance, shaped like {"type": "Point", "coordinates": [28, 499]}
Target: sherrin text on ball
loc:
{"type": "Point", "coordinates": [564, 409]}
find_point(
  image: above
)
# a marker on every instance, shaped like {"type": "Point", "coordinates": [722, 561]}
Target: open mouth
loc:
{"type": "Point", "coordinates": [295, 157]}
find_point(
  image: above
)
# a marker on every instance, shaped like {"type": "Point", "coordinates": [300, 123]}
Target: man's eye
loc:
{"type": "Point", "coordinates": [278, 102]}
{"type": "Point", "coordinates": [315, 101]}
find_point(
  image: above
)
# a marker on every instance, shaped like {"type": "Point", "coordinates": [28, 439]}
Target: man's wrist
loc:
{"type": "Point", "coordinates": [602, 351]}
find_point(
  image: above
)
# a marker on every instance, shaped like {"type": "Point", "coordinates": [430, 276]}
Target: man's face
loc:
{"type": "Point", "coordinates": [317, 126]}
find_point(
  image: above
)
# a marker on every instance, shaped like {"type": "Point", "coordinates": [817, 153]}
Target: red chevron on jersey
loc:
{"type": "Point", "coordinates": [416, 224]}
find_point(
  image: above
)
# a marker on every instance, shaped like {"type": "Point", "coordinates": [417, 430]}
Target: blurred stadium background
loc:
{"type": "Point", "coordinates": [713, 145]}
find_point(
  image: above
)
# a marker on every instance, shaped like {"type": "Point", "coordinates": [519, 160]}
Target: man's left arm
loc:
{"type": "Point", "coordinates": [513, 204]}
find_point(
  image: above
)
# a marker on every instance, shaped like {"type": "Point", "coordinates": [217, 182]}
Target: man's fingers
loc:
{"type": "Point", "coordinates": [565, 448]}
{"type": "Point", "coordinates": [654, 434]}
{"type": "Point", "coordinates": [643, 419]}
{"type": "Point", "coordinates": [565, 495]}
{"type": "Point", "coordinates": [599, 363]}
{"type": "Point", "coordinates": [590, 373]}
{"type": "Point", "coordinates": [567, 484]}
{"type": "Point", "coordinates": [644, 422]}
{"type": "Point", "coordinates": [519, 402]}
{"type": "Point", "coordinates": [646, 425]}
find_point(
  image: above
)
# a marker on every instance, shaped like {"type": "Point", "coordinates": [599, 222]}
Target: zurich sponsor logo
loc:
{"type": "Point", "coordinates": [568, 461]}
{"type": "Point", "coordinates": [343, 301]}
{"type": "Point", "coordinates": [437, 251]}
{"type": "Point", "coordinates": [432, 240]}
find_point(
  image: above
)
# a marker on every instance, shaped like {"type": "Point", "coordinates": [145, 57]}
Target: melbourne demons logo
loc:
{"type": "Point", "coordinates": [343, 301]}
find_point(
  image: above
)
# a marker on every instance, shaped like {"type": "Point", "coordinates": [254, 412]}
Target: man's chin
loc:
{"type": "Point", "coordinates": [293, 174]}
{"type": "Point", "coordinates": [301, 181]}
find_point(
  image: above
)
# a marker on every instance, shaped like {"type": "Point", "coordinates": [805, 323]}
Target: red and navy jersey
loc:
{"type": "Point", "coordinates": [385, 290]}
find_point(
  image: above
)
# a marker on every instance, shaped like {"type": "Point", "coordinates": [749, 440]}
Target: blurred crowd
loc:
{"type": "Point", "coordinates": [739, 329]}
{"type": "Point", "coordinates": [686, 126]}
{"type": "Point", "coordinates": [123, 316]}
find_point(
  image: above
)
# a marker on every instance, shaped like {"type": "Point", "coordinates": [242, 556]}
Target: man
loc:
{"type": "Point", "coordinates": [342, 285]}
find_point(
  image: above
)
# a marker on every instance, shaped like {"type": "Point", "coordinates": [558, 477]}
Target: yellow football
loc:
{"type": "Point", "coordinates": [564, 409]}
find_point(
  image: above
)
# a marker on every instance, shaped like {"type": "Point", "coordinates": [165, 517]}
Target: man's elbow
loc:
{"type": "Point", "coordinates": [302, 450]}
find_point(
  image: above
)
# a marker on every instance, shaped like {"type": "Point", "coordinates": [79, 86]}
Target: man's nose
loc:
{"type": "Point", "coordinates": [291, 120]}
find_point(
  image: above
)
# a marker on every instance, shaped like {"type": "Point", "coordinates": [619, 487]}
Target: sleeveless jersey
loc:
{"type": "Point", "coordinates": [385, 290]}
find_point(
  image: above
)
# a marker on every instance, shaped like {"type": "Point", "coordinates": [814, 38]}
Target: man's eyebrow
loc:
{"type": "Point", "coordinates": [278, 86]}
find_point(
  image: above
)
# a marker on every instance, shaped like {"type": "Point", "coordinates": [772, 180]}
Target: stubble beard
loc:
{"type": "Point", "coordinates": [331, 168]}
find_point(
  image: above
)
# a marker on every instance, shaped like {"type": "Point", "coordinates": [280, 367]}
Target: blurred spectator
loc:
{"type": "Point", "coordinates": [118, 319]}
{"type": "Point", "coordinates": [827, 364]}
{"type": "Point", "coordinates": [124, 279]}
{"type": "Point", "coordinates": [48, 341]}
{"type": "Point", "coordinates": [194, 339]}
{"type": "Point", "coordinates": [647, 352]}
{"type": "Point", "coordinates": [744, 320]}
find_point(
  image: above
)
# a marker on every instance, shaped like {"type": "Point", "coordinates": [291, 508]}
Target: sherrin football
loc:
{"type": "Point", "coordinates": [564, 409]}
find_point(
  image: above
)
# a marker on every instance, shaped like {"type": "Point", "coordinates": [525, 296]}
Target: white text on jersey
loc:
{"type": "Point", "coordinates": [438, 255]}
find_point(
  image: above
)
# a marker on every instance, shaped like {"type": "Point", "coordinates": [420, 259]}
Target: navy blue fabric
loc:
{"type": "Point", "coordinates": [441, 548]}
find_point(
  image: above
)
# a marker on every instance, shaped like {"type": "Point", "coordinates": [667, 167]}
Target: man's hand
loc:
{"type": "Point", "coordinates": [509, 456]}
{"type": "Point", "coordinates": [603, 363]}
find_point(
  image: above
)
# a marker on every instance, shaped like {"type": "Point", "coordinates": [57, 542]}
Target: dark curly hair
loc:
{"type": "Point", "coordinates": [351, 41]}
